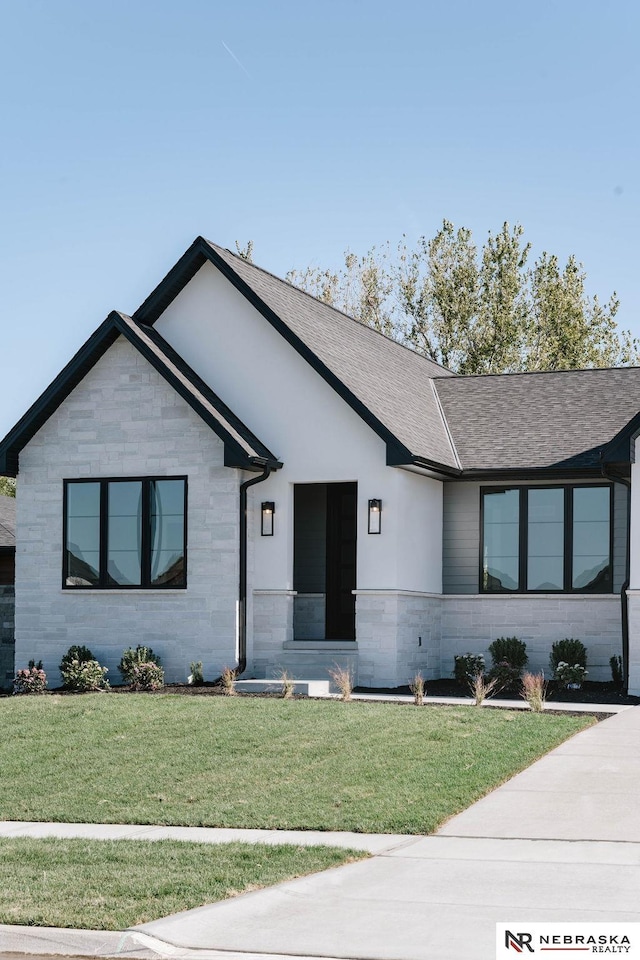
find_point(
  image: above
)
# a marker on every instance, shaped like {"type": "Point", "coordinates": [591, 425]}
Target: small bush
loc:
{"type": "Point", "coordinates": [481, 688]}
{"type": "Point", "coordinates": [418, 688]}
{"type": "Point", "coordinates": [467, 666]}
{"type": "Point", "coordinates": [512, 650]}
{"type": "Point", "coordinates": [80, 653]}
{"type": "Point", "coordinates": [505, 675]}
{"type": "Point", "coordinates": [617, 675]}
{"type": "Point", "coordinates": [343, 679]}
{"type": "Point", "coordinates": [228, 682]}
{"type": "Point", "coordinates": [132, 658]}
{"type": "Point", "coordinates": [570, 674]}
{"type": "Point", "coordinates": [84, 675]}
{"type": "Point", "coordinates": [196, 677]}
{"type": "Point", "coordinates": [567, 651]}
{"type": "Point", "coordinates": [146, 676]}
{"type": "Point", "coordinates": [534, 690]}
{"type": "Point", "coordinates": [32, 680]}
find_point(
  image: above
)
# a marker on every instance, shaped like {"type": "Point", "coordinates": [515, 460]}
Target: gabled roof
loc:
{"type": "Point", "coordinates": [242, 448]}
{"type": "Point", "coordinates": [7, 522]}
{"type": "Point", "coordinates": [559, 420]}
{"type": "Point", "coordinates": [388, 385]}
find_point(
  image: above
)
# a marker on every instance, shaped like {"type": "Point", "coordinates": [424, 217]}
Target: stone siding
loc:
{"type": "Point", "coordinates": [398, 635]}
{"type": "Point", "coordinates": [124, 420]}
{"type": "Point", "coordinates": [469, 624]}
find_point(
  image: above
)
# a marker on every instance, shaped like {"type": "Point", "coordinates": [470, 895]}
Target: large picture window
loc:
{"type": "Point", "coordinates": [125, 533]}
{"type": "Point", "coordinates": [546, 539]}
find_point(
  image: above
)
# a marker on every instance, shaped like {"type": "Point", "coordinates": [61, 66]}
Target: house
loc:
{"type": "Point", "coordinates": [7, 578]}
{"type": "Point", "coordinates": [239, 473]}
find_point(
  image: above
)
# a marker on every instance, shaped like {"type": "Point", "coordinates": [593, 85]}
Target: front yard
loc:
{"type": "Point", "coordinates": [259, 762]}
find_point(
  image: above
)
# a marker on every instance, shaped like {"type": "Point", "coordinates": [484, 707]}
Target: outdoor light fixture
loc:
{"type": "Point", "coordinates": [268, 510]}
{"type": "Point", "coordinates": [375, 516]}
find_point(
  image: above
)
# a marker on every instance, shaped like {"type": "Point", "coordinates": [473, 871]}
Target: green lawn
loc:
{"type": "Point", "coordinates": [251, 762]}
{"type": "Point", "coordinates": [114, 884]}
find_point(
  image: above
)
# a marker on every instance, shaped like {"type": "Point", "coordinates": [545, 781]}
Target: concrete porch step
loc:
{"type": "Point", "coordinates": [305, 688]}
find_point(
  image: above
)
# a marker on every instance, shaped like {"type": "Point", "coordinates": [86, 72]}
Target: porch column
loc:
{"type": "Point", "coordinates": [633, 592]}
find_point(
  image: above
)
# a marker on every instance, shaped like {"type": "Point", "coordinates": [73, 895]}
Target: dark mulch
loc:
{"type": "Point", "coordinates": [591, 692]}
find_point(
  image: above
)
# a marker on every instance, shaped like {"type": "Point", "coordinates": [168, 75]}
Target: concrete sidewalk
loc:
{"type": "Point", "coordinates": [559, 842]}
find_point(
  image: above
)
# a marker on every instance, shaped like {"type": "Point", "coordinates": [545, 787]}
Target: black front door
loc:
{"type": "Point", "coordinates": [341, 561]}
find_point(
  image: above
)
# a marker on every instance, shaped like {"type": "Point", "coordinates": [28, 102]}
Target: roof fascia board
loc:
{"type": "Point", "coordinates": [74, 372]}
{"type": "Point", "coordinates": [620, 448]}
{"type": "Point", "coordinates": [57, 391]}
{"type": "Point", "coordinates": [188, 265]}
{"type": "Point", "coordinates": [234, 453]}
{"type": "Point", "coordinates": [533, 473]}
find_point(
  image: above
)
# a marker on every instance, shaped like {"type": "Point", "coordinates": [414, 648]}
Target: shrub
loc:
{"type": "Point", "coordinates": [467, 666]}
{"type": "Point", "coordinates": [567, 673]}
{"type": "Point", "coordinates": [417, 687]}
{"type": "Point", "coordinates": [80, 653]}
{"type": "Point", "coordinates": [480, 687]}
{"type": "Point", "coordinates": [228, 682]}
{"type": "Point", "coordinates": [31, 680]}
{"type": "Point", "coordinates": [343, 679]}
{"type": "Point", "coordinates": [132, 658]}
{"type": "Point", "coordinates": [567, 651]}
{"type": "Point", "coordinates": [196, 678]}
{"type": "Point", "coordinates": [534, 690]}
{"type": "Point", "coordinates": [146, 676]}
{"type": "Point", "coordinates": [84, 675]}
{"type": "Point", "coordinates": [617, 675]}
{"type": "Point", "coordinates": [505, 675]}
{"type": "Point", "coordinates": [512, 650]}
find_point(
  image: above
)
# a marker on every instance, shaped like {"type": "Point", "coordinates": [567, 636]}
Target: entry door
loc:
{"type": "Point", "coordinates": [341, 561]}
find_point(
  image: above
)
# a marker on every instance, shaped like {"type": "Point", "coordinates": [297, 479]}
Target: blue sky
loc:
{"type": "Point", "coordinates": [128, 128]}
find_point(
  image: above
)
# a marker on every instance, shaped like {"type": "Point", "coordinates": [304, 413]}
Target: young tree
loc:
{"type": "Point", "coordinates": [477, 311]}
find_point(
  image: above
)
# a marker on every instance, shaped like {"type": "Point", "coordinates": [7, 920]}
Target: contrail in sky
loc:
{"type": "Point", "coordinates": [232, 54]}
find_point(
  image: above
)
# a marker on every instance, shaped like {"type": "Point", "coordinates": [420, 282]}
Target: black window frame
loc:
{"type": "Point", "coordinates": [523, 526]}
{"type": "Point", "coordinates": [145, 550]}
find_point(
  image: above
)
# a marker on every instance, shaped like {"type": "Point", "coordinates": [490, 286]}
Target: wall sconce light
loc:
{"type": "Point", "coordinates": [375, 516]}
{"type": "Point", "coordinates": [268, 510]}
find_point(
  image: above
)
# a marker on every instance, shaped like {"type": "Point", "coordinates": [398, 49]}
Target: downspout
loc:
{"type": "Point", "coordinates": [624, 600]}
{"type": "Point", "coordinates": [242, 592]}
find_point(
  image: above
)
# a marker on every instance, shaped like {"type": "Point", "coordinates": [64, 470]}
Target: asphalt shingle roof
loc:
{"type": "Point", "coordinates": [537, 420]}
{"type": "Point", "coordinates": [393, 382]}
{"type": "Point", "coordinates": [7, 521]}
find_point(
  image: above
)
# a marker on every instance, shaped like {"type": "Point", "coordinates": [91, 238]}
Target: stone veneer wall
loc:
{"type": "Point", "coordinates": [7, 615]}
{"type": "Point", "coordinates": [470, 623]}
{"type": "Point", "coordinates": [634, 641]}
{"type": "Point", "coordinates": [124, 420]}
{"type": "Point", "coordinates": [398, 635]}
{"type": "Point", "coordinates": [272, 628]}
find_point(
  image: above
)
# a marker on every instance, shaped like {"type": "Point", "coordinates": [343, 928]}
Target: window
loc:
{"type": "Point", "coordinates": [125, 533]}
{"type": "Point", "coordinates": [546, 539]}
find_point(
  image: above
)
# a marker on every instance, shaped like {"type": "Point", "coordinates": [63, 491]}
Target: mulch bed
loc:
{"type": "Point", "coordinates": [591, 692]}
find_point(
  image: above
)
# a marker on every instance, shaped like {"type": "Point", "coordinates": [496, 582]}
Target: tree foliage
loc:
{"type": "Point", "coordinates": [7, 487]}
{"type": "Point", "coordinates": [476, 310]}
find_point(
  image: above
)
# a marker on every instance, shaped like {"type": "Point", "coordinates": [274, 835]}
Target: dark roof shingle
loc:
{"type": "Point", "coordinates": [7, 521]}
{"type": "Point", "coordinates": [538, 420]}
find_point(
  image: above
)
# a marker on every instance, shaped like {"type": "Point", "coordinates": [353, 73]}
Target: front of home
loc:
{"type": "Point", "coordinates": [240, 474]}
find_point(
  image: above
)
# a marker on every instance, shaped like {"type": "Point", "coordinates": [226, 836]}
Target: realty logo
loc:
{"type": "Point", "coordinates": [560, 939]}
{"type": "Point", "coordinates": [518, 941]}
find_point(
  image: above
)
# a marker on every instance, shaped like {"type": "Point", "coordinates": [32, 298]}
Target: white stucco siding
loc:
{"type": "Point", "coordinates": [315, 433]}
{"type": "Point", "coordinates": [124, 420]}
